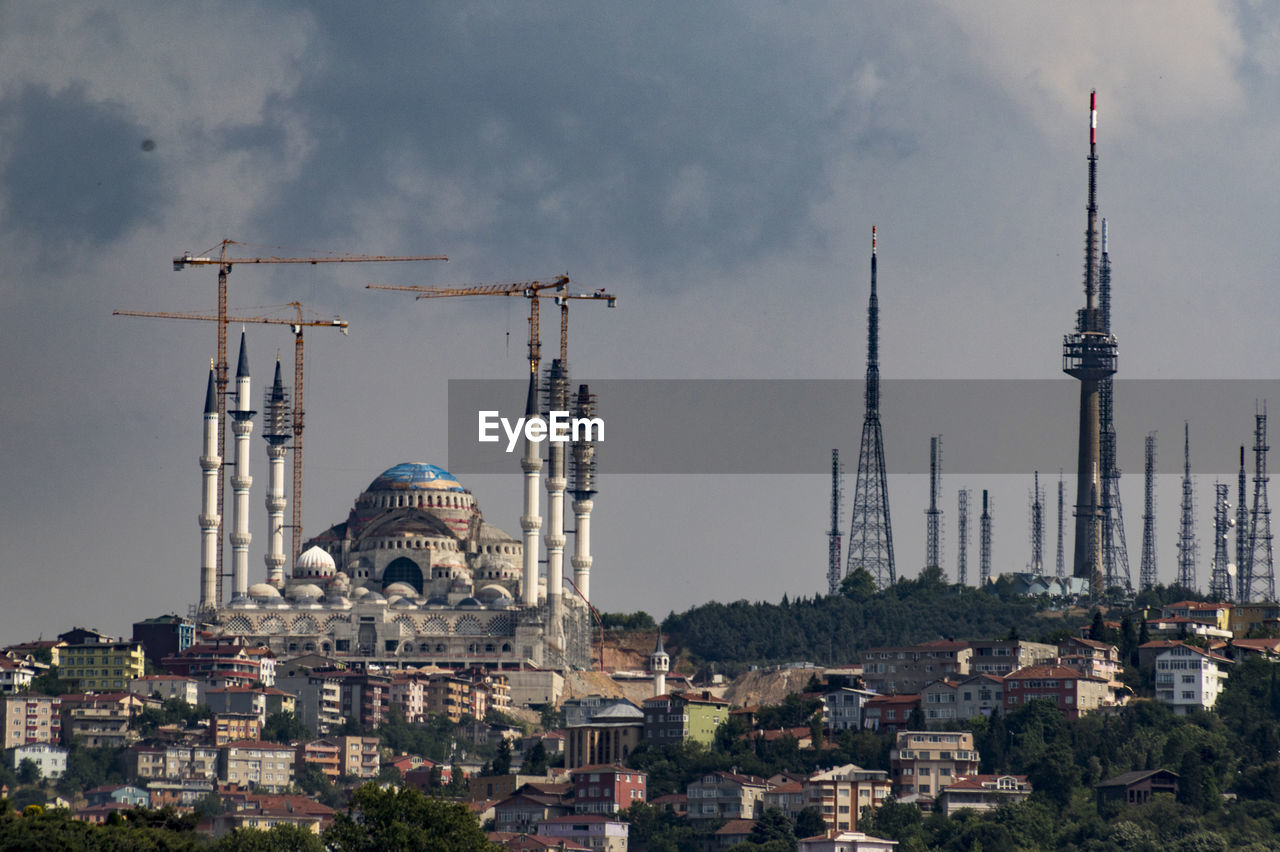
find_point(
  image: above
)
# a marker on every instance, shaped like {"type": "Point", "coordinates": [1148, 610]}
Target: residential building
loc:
{"type": "Point", "coordinates": [17, 672]}
{"type": "Point", "coordinates": [225, 660]}
{"type": "Point", "coordinates": [609, 737]}
{"type": "Point", "coordinates": [846, 841]}
{"type": "Point", "coordinates": [889, 713]}
{"type": "Point", "coordinates": [923, 762]}
{"type": "Point", "coordinates": [1180, 627]}
{"type": "Point", "coordinates": [938, 700]}
{"type": "Point", "coordinates": [733, 834]}
{"type": "Point", "coordinates": [30, 719]}
{"type": "Point", "coordinates": [979, 695]}
{"type": "Point", "coordinates": [51, 760]}
{"type": "Point", "coordinates": [124, 794]}
{"type": "Point", "coordinates": [908, 669]}
{"type": "Point", "coordinates": [678, 717]}
{"type": "Point", "coordinates": [100, 720]}
{"type": "Point", "coordinates": [982, 792]}
{"type": "Point", "coordinates": [1090, 657]}
{"type": "Point", "coordinates": [1190, 678]}
{"type": "Point", "coordinates": [101, 666]}
{"type": "Point", "coordinates": [530, 805]}
{"type": "Point", "coordinates": [43, 650]}
{"type": "Point", "coordinates": [842, 708]}
{"type": "Point", "coordinates": [86, 636]}
{"type": "Point", "coordinates": [448, 695]}
{"type": "Point", "coordinates": [725, 795]}
{"type": "Point", "coordinates": [841, 794]}
{"type": "Point", "coordinates": [319, 700]}
{"type": "Point", "coordinates": [180, 793]}
{"type": "Point", "coordinates": [1245, 617]}
{"type": "Point", "coordinates": [1267, 649]}
{"type": "Point", "coordinates": [227, 727]}
{"type": "Point", "coordinates": [594, 831]}
{"type": "Point", "coordinates": [353, 757]}
{"type": "Point", "coordinates": [166, 687]}
{"type": "Point", "coordinates": [264, 765]}
{"type": "Point", "coordinates": [606, 789]}
{"type": "Point", "coordinates": [1214, 614]}
{"type": "Point", "coordinates": [1002, 656]}
{"type": "Point", "coordinates": [408, 695]}
{"type": "Point", "coordinates": [260, 701]}
{"type": "Point", "coordinates": [264, 813]}
{"type": "Point", "coordinates": [164, 636]}
{"type": "Point", "coordinates": [1137, 788]}
{"type": "Point", "coordinates": [787, 796]}
{"type": "Point", "coordinates": [483, 788]}
{"type": "Point", "coordinates": [1073, 693]}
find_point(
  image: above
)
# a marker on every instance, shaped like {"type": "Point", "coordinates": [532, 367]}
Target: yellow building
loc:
{"type": "Point", "coordinates": [102, 666]}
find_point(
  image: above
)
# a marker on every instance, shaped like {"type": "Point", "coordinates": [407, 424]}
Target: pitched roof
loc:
{"type": "Point", "coordinates": [1128, 778]}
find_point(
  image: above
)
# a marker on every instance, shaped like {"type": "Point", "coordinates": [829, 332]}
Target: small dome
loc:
{"type": "Point", "coordinates": [373, 598]}
{"type": "Point", "coordinates": [470, 603]}
{"type": "Point", "coordinates": [359, 592]}
{"type": "Point", "coordinates": [437, 602]}
{"type": "Point", "coordinates": [492, 592]}
{"type": "Point", "coordinates": [314, 562]}
{"type": "Point", "coordinates": [306, 590]}
{"type": "Point", "coordinates": [337, 602]}
{"type": "Point", "coordinates": [402, 589]}
{"type": "Point", "coordinates": [403, 603]}
{"type": "Point", "coordinates": [263, 590]}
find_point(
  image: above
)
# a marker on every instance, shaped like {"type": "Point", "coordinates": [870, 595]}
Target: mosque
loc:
{"type": "Point", "coordinates": [414, 576]}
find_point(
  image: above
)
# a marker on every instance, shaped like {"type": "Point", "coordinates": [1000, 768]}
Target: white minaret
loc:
{"type": "Point", "coordinates": [584, 469]}
{"type": "Point", "coordinates": [210, 520]}
{"type": "Point", "coordinates": [530, 521]}
{"type": "Point", "coordinates": [242, 425]}
{"type": "Point", "coordinates": [556, 483]}
{"type": "Point", "coordinates": [660, 664]}
{"type": "Point", "coordinates": [276, 429]}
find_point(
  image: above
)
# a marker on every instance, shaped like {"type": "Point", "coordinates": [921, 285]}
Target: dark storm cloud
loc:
{"type": "Point", "coordinates": [75, 169]}
{"type": "Point", "coordinates": [687, 137]}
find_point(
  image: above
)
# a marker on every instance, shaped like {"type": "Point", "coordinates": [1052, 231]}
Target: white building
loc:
{"type": "Point", "coordinates": [166, 687]}
{"type": "Point", "coordinates": [51, 759]}
{"type": "Point", "coordinates": [842, 709]}
{"type": "Point", "coordinates": [1190, 678]}
{"type": "Point", "coordinates": [846, 841]}
{"type": "Point", "coordinates": [16, 673]}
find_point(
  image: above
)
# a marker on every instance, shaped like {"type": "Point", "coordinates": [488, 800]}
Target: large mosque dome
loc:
{"type": "Point", "coordinates": [415, 476]}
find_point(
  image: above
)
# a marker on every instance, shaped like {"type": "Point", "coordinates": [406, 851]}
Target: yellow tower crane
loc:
{"type": "Point", "coordinates": [296, 325]}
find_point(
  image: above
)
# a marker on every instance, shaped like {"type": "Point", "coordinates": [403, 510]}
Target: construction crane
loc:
{"type": "Point", "coordinates": [534, 291]}
{"type": "Point", "coordinates": [296, 324]}
{"type": "Point", "coordinates": [224, 264]}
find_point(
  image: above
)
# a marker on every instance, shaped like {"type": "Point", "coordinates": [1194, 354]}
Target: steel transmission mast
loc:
{"type": "Point", "coordinates": [984, 542]}
{"type": "Point", "coordinates": [1089, 354]}
{"type": "Point", "coordinates": [1261, 573]}
{"type": "Point", "coordinates": [1115, 549]}
{"type": "Point", "coordinates": [1187, 526]}
{"type": "Point", "coordinates": [1147, 575]}
{"type": "Point", "coordinates": [833, 534]}
{"type": "Point", "coordinates": [1061, 564]}
{"type": "Point", "coordinates": [1220, 579]}
{"type": "Point", "coordinates": [870, 534]}
{"type": "Point", "coordinates": [1037, 528]}
{"type": "Point", "coordinates": [962, 525]}
{"type": "Point", "coordinates": [933, 515]}
{"type": "Point", "coordinates": [1242, 536]}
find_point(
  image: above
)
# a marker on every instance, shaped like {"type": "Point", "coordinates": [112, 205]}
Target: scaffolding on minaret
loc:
{"type": "Point", "coordinates": [984, 541]}
{"type": "Point", "coordinates": [933, 515]}
{"type": "Point", "coordinates": [962, 526]}
{"type": "Point", "coordinates": [1115, 549]}
{"type": "Point", "coordinates": [833, 534]}
{"type": "Point", "coordinates": [1037, 528]}
{"type": "Point", "coordinates": [1187, 545]}
{"type": "Point", "coordinates": [1062, 561]}
{"type": "Point", "coordinates": [1220, 578]}
{"type": "Point", "coordinates": [1261, 584]}
{"type": "Point", "coordinates": [1242, 534]}
{"type": "Point", "coordinates": [1147, 575]}
{"type": "Point", "coordinates": [870, 533]}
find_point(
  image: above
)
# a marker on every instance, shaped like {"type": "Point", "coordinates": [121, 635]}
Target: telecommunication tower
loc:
{"type": "Point", "coordinates": [1147, 576]}
{"type": "Point", "coordinates": [962, 525]}
{"type": "Point", "coordinates": [833, 534]}
{"type": "Point", "coordinates": [1037, 528]}
{"type": "Point", "coordinates": [1261, 572]}
{"type": "Point", "coordinates": [870, 534]}
{"type": "Point", "coordinates": [1115, 549]}
{"type": "Point", "coordinates": [1220, 579]}
{"type": "Point", "coordinates": [984, 541]}
{"type": "Point", "coordinates": [1062, 562]}
{"type": "Point", "coordinates": [1187, 546]}
{"type": "Point", "coordinates": [933, 515]}
{"type": "Point", "coordinates": [1242, 535]}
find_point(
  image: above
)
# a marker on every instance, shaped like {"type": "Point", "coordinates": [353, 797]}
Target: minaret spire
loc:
{"type": "Point", "coordinates": [871, 536]}
{"type": "Point", "coordinates": [277, 428]}
{"type": "Point", "coordinates": [210, 520]}
{"type": "Point", "coordinates": [241, 481]}
{"type": "Point", "coordinates": [530, 520]}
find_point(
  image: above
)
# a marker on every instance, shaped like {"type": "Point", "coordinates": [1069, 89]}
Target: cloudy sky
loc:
{"type": "Point", "coordinates": [717, 165]}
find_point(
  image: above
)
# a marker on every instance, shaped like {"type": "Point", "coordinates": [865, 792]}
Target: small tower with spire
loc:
{"type": "Point", "coordinates": [210, 519]}
{"type": "Point", "coordinates": [277, 430]}
{"type": "Point", "coordinates": [659, 664]}
{"type": "Point", "coordinates": [242, 425]}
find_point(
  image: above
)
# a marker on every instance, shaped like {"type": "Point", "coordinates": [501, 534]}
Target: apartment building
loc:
{"type": "Point", "coordinates": [725, 795]}
{"type": "Point", "coordinates": [683, 716]}
{"type": "Point", "coordinates": [30, 719]}
{"type": "Point", "coordinates": [923, 762]}
{"type": "Point", "coordinates": [908, 669]}
{"type": "Point", "coordinates": [842, 792]}
{"type": "Point", "coordinates": [1190, 678]}
{"type": "Point", "coordinates": [102, 666]}
{"type": "Point", "coordinates": [1073, 693]}
{"type": "Point", "coordinates": [264, 765]}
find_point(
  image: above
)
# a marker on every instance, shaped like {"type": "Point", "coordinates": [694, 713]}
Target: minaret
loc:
{"type": "Point", "coordinates": [660, 664]}
{"type": "Point", "coordinates": [870, 534]}
{"type": "Point", "coordinates": [530, 521]}
{"type": "Point", "coordinates": [584, 491]}
{"type": "Point", "coordinates": [242, 425]}
{"type": "Point", "coordinates": [557, 400]}
{"type": "Point", "coordinates": [1089, 354]}
{"type": "Point", "coordinates": [210, 520]}
{"type": "Point", "coordinates": [276, 429]}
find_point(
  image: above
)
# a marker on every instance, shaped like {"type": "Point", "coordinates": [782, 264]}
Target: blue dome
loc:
{"type": "Point", "coordinates": [416, 476]}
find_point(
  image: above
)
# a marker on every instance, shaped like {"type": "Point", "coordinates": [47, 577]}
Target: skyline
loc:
{"type": "Point", "coordinates": [718, 167]}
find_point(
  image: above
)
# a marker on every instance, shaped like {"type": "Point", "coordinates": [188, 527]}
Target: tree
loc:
{"type": "Point", "coordinates": [502, 763]}
{"type": "Point", "coordinates": [28, 771]}
{"type": "Point", "coordinates": [535, 762]}
{"type": "Point", "coordinates": [281, 838]}
{"type": "Point", "coordinates": [809, 823]}
{"type": "Point", "coordinates": [773, 825]}
{"type": "Point", "coordinates": [380, 820]}
{"type": "Point", "coordinates": [284, 728]}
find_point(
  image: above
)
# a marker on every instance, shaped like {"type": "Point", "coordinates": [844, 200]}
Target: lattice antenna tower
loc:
{"type": "Point", "coordinates": [1037, 528]}
{"type": "Point", "coordinates": [1187, 545]}
{"type": "Point", "coordinates": [1062, 560]}
{"type": "Point", "coordinates": [870, 533]}
{"type": "Point", "coordinates": [1220, 578]}
{"type": "Point", "coordinates": [933, 515]}
{"type": "Point", "coordinates": [1262, 580]}
{"type": "Point", "coordinates": [962, 526]}
{"type": "Point", "coordinates": [1147, 575]}
{"type": "Point", "coordinates": [984, 541]}
{"type": "Point", "coordinates": [1243, 581]}
{"type": "Point", "coordinates": [1115, 549]}
{"type": "Point", "coordinates": [833, 534]}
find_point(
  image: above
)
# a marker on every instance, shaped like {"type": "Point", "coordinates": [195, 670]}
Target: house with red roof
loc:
{"type": "Point", "coordinates": [1073, 693]}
